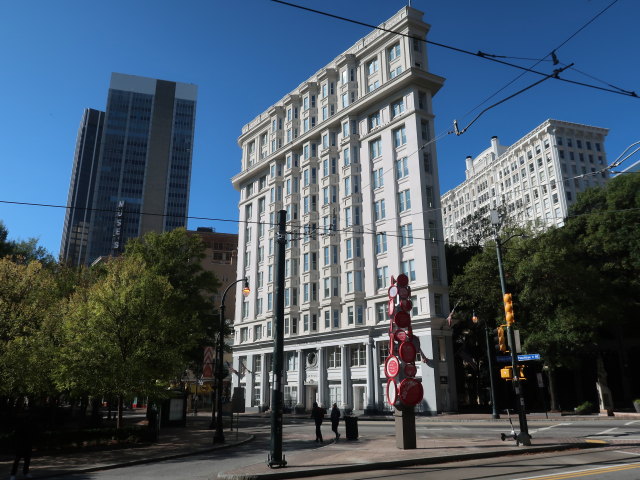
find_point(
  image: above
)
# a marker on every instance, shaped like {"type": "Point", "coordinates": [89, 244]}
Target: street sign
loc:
{"type": "Point", "coordinates": [521, 358]}
{"type": "Point", "coordinates": [391, 366]}
{"type": "Point", "coordinates": [410, 391]}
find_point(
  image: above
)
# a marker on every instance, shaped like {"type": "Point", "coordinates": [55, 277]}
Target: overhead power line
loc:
{"type": "Point", "coordinates": [478, 54]}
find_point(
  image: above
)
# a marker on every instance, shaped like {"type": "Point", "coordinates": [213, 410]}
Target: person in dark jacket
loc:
{"type": "Point", "coordinates": [23, 442]}
{"type": "Point", "coordinates": [317, 413]}
{"type": "Point", "coordinates": [335, 420]}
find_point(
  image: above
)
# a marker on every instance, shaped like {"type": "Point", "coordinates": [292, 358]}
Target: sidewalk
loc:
{"type": "Point", "coordinates": [174, 442]}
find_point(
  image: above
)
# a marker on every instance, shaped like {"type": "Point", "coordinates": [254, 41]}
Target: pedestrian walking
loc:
{"type": "Point", "coordinates": [335, 420]}
{"type": "Point", "coordinates": [317, 413]}
{"type": "Point", "coordinates": [23, 441]}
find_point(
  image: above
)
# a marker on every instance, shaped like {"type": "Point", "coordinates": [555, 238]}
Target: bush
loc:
{"type": "Point", "coordinates": [585, 408]}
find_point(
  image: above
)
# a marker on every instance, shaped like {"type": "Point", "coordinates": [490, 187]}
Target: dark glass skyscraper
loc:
{"type": "Point", "coordinates": [136, 177]}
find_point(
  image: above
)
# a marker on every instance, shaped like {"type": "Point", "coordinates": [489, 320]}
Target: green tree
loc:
{"type": "Point", "coordinates": [120, 335]}
{"type": "Point", "coordinates": [178, 256]}
{"type": "Point", "coordinates": [29, 311]}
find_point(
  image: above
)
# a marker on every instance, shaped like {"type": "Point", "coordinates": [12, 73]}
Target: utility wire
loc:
{"type": "Point", "coordinates": [479, 54]}
{"type": "Point", "coordinates": [553, 75]}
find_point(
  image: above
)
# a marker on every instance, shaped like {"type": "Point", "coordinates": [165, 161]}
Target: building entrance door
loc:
{"type": "Point", "coordinates": [359, 400]}
{"type": "Point", "coordinates": [312, 396]}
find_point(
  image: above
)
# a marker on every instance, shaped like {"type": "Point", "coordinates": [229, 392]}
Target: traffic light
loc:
{"type": "Point", "coordinates": [508, 309]}
{"type": "Point", "coordinates": [506, 373]}
{"type": "Point", "coordinates": [501, 339]}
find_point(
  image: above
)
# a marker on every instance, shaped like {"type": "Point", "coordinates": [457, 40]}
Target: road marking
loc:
{"type": "Point", "coordinates": [547, 428]}
{"type": "Point", "coordinates": [604, 432]}
{"type": "Point", "coordinates": [631, 422]}
{"type": "Point", "coordinates": [628, 453]}
{"type": "Point", "coordinates": [582, 473]}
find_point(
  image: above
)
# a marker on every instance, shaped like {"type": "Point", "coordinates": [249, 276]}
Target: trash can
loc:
{"type": "Point", "coordinates": [351, 427]}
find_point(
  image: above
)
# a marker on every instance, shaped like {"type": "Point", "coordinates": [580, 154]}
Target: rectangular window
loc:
{"type": "Point", "coordinates": [404, 201]}
{"type": "Point", "coordinates": [402, 168]}
{"type": "Point", "coordinates": [435, 268]}
{"type": "Point", "coordinates": [399, 137]}
{"type": "Point", "coordinates": [378, 179]}
{"type": "Point", "coordinates": [345, 100]}
{"type": "Point", "coordinates": [358, 355]}
{"type": "Point", "coordinates": [334, 357]}
{"type": "Point", "coordinates": [375, 148]}
{"type": "Point", "coordinates": [346, 157]}
{"type": "Point", "coordinates": [394, 52]}
{"type": "Point", "coordinates": [397, 108]}
{"type": "Point", "coordinates": [406, 235]}
{"type": "Point", "coordinates": [379, 211]}
{"type": "Point", "coordinates": [373, 66]}
{"type": "Point", "coordinates": [374, 120]}
{"type": "Point", "coordinates": [349, 282]}
{"type": "Point", "coordinates": [408, 268]}
{"type": "Point", "coordinates": [381, 243]}
{"type": "Point", "coordinates": [381, 277]}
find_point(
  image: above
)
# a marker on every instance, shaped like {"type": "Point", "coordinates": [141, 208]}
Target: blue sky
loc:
{"type": "Point", "coordinates": [57, 58]}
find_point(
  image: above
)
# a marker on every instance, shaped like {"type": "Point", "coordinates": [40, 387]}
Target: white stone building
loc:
{"type": "Point", "coordinates": [533, 181]}
{"type": "Point", "coordinates": [344, 154]}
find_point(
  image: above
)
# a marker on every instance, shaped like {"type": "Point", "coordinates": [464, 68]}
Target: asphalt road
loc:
{"type": "Point", "coordinates": [611, 463]}
{"type": "Point", "coordinates": [207, 466]}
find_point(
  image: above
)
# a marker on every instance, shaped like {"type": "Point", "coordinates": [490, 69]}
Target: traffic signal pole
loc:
{"type": "Point", "coordinates": [276, 458]}
{"type": "Point", "coordinates": [491, 358]}
{"type": "Point", "coordinates": [523, 436]}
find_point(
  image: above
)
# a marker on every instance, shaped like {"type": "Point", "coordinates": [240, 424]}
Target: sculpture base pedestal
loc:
{"type": "Point", "coordinates": [405, 422]}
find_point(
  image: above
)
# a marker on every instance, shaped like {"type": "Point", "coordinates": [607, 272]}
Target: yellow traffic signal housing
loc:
{"type": "Point", "coordinates": [508, 309]}
{"type": "Point", "coordinates": [521, 373]}
{"type": "Point", "coordinates": [502, 339]}
{"type": "Point", "coordinates": [506, 373]}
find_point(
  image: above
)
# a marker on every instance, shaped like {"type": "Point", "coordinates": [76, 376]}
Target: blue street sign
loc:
{"type": "Point", "coordinates": [521, 358]}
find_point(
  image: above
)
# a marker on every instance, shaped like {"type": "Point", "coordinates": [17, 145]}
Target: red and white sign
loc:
{"type": "Point", "coordinates": [393, 291]}
{"type": "Point", "coordinates": [410, 370]}
{"type": "Point", "coordinates": [392, 307]}
{"type": "Point", "coordinates": [410, 391]}
{"type": "Point", "coordinates": [406, 305]}
{"type": "Point", "coordinates": [402, 319]}
{"type": "Point", "coordinates": [401, 335]}
{"type": "Point", "coordinates": [207, 364]}
{"type": "Point", "coordinates": [391, 366]}
{"type": "Point", "coordinates": [407, 352]}
{"type": "Point", "coordinates": [392, 391]}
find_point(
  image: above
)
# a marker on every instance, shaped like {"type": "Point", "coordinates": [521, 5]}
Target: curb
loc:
{"type": "Point", "coordinates": [319, 471]}
{"type": "Point", "coordinates": [143, 461]}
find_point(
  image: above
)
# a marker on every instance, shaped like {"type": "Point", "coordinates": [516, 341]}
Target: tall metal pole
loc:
{"type": "Point", "coordinates": [218, 436]}
{"type": "Point", "coordinates": [523, 436]}
{"type": "Point", "coordinates": [276, 458]}
{"type": "Point", "coordinates": [492, 382]}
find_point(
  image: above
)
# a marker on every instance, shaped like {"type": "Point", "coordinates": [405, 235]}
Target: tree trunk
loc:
{"type": "Point", "coordinates": [119, 422]}
{"type": "Point", "coordinates": [553, 405]}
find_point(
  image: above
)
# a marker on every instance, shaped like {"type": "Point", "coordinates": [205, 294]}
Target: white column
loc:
{"type": "Point", "coordinates": [301, 377]}
{"type": "Point", "coordinates": [379, 390]}
{"type": "Point", "coordinates": [323, 398]}
{"type": "Point", "coordinates": [371, 376]}
{"type": "Point", "coordinates": [248, 394]}
{"type": "Point", "coordinates": [345, 378]}
{"type": "Point", "coordinates": [264, 380]}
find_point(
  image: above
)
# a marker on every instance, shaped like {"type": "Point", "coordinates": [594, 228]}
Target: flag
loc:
{"type": "Point", "coordinates": [450, 317]}
{"type": "Point", "coordinates": [231, 369]}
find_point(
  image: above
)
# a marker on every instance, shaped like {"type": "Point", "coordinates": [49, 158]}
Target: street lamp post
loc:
{"type": "Point", "coordinates": [218, 436]}
{"type": "Point", "coordinates": [491, 360]}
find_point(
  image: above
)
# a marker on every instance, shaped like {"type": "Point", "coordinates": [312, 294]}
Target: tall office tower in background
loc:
{"type": "Point", "coordinates": [349, 155]}
{"type": "Point", "coordinates": [81, 189]}
{"type": "Point", "coordinates": [133, 159]}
